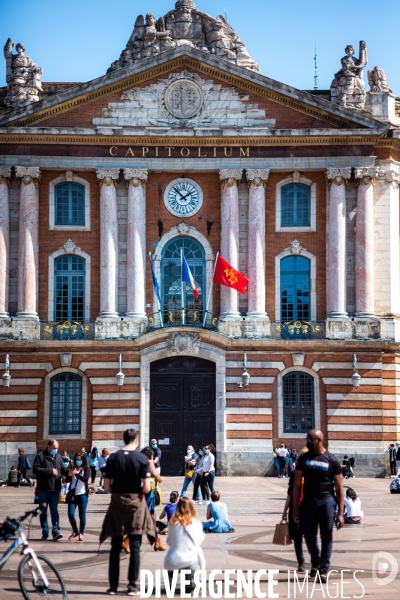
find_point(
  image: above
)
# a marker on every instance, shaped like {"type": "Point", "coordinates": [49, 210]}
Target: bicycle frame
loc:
{"type": "Point", "coordinates": [22, 541]}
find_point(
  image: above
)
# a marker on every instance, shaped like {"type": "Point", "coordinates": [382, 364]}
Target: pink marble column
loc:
{"type": "Point", "coordinates": [136, 243]}
{"type": "Point", "coordinates": [336, 246]}
{"type": "Point", "coordinates": [256, 243]}
{"type": "Point", "coordinates": [365, 297]}
{"type": "Point", "coordinates": [5, 173]}
{"type": "Point", "coordinates": [108, 243]}
{"type": "Point", "coordinates": [230, 236]}
{"type": "Point", "coordinates": [28, 242]}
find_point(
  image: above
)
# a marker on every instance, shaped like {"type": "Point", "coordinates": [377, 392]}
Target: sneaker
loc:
{"type": "Point", "coordinates": [301, 568]}
{"type": "Point", "coordinates": [314, 570]}
{"type": "Point", "coordinates": [81, 538]}
{"type": "Point", "coordinates": [323, 577]}
{"type": "Point", "coordinates": [73, 536]}
{"type": "Point", "coordinates": [45, 538]}
{"type": "Point", "coordinates": [111, 592]}
{"type": "Point", "coordinates": [57, 536]}
{"type": "Point", "coordinates": [132, 590]}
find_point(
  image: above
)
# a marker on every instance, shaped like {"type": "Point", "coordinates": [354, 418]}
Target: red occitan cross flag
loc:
{"type": "Point", "coordinates": [225, 274]}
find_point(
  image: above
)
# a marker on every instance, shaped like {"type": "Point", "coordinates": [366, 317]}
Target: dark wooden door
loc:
{"type": "Point", "coordinates": [182, 408]}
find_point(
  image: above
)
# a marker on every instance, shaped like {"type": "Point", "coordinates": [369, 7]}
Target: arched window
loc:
{"type": "Point", "coordinates": [171, 281]}
{"type": "Point", "coordinates": [295, 205]}
{"type": "Point", "coordinates": [69, 288]}
{"type": "Point", "coordinates": [295, 289]}
{"type": "Point", "coordinates": [65, 404]}
{"type": "Point", "coordinates": [298, 402]}
{"type": "Point", "coordinates": [69, 204]}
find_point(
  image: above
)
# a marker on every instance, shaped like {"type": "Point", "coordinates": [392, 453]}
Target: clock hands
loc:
{"type": "Point", "coordinates": [178, 192]}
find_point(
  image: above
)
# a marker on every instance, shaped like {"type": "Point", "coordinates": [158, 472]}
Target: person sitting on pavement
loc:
{"type": "Point", "coordinates": [218, 512]}
{"type": "Point", "coordinates": [353, 514]}
{"type": "Point", "coordinates": [168, 511]}
{"type": "Point", "coordinates": [13, 476]}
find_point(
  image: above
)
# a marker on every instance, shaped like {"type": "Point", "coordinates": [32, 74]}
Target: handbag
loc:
{"type": "Point", "coordinates": [189, 473]}
{"type": "Point", "coordinates": [70, 497]}
{"type": "Point", "coordinates": [281, 535]}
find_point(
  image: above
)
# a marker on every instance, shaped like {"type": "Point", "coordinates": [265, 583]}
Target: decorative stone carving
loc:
{"type": "Point", "coordinates": [108, 176]}
{"type": "Point", "coordinates": [338, 176]}
{"type": "Point", "coordinates": [296, 177]}
{"type": "Point", "coordinates": [28, 174]}
{"type": "Point", "coordinates": [22, 77]}
{"type": "Point", "coordinates": [183, 342]}
{"type": "Point", "coordinates": [298, 359]}
{"type": "Point", "coordinates": [66, 359]}
{"type": "Point", "coordinates": [5, 174]}
{"type": "Point", "coordinates": [69, 246]}
{"type": "Point", "coordinates": [183, 228]}
{"type": "Point", "coordinates": [347, 88]}
{"type": "Point", "coordinates": [150, 107]}
{"type": "Point", "coordinates": [69, 175]}
{"type": "Point", "coordinates": [257, 177]}
{"type": "Point", "coordinates": [390, 177]}
{"type": "Point", "coordinates": [366, 176]}
{"type": "Point", "coordinates": [377, 80]}
{"type": "Point", "coordinates": [136, 177]}
{"type": "Point", "coordinates": [295, 247]}
{"type": "Point", "coordinates": [230, 177]}
{"type": "Point", "coordinates": [185, 25]}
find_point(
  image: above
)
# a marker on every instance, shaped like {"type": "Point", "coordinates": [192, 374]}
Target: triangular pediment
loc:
{"type": "Point", "coordinates": [235, 93]}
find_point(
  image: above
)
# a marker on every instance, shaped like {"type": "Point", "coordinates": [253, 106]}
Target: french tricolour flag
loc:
{"type": "Point", "coordinates": [187, 276]}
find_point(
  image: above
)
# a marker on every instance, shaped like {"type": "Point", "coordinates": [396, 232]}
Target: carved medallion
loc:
{"type": "Point", "coordinates": [66, 359]}
{"type": "Point", "coordinates": [183, 342]}
{"type": "Point", "coordinates": [183, 99]}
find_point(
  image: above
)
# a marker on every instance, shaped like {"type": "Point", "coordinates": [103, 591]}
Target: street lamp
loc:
{"type": "Point", "coordinates": [355, 377]}
{"type": "Point", "coordinates": [120, 376]}
{"type": "Point", "coordinates": [7, 377]}
{"type": "Point", "coordinates": [245, 375]}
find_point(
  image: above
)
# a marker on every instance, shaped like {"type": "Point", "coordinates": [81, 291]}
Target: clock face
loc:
{"type": "Point", "coordinates": [183, 197]}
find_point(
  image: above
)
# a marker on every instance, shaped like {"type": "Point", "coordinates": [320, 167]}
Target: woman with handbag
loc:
{"type": "Point", "coordinates": [185, 535]}
{"type": "Point", "coordinates": [190, 475]}
{"type": "Point", "coordinates": [78, 494]}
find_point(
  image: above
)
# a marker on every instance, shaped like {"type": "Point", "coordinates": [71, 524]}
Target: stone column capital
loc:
{"type": "Point", "coordinates": [230, 177]}
{"type": "Point", "coordinates": [28, 174]}
{"type": "Point", "coordinates": [136, 177]}
{"type": "Point", "coordinates": [366, 176]}
{"type": "Point", "coordinates": [108, 176]}
{"type": "Point", "coordinates": [390, 177]}
{"type": "Point", "coordinates": [257, 177]}
{"type": "Point", "coordinates": [5, 174]}
{"type": "Point", "coordinates": [338, 176]}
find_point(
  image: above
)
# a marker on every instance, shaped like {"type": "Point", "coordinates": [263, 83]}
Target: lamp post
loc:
{"type": "Point", "coordinates": [245, 375]}
{"type": "Point", "coordinates": [7, 377]}
{"type": "Point", "coordinates": [120, 376]}
{"type": "Point", "coordinates": [355, 377]}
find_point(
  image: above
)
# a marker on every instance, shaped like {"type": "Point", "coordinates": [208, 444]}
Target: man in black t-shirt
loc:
{"type": "Point", "coordinates": [322, 474]}
{"type": "Point", "coordinates": [128, 477]}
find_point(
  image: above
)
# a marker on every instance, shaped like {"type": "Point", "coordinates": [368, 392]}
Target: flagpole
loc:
{"type": "Point", "coordinates": [210, 292]}
{"type": "Point", "coordinates": [158, 302]}
{"type": "Point", "coordinates": [182, 292]}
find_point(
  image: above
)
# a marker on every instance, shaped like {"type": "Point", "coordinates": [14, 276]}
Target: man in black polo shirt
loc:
{"type": "Point", "coordinates": [322, 474]}
{"type": "Point", "coordinates": [128, 477]}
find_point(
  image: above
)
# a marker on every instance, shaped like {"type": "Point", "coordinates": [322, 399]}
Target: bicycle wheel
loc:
{"type": "Point", "coordinates": [32, 584]}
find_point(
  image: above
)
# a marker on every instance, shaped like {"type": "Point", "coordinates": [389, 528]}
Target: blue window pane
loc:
{"type": "Point", "coordinates": [295, 289]}
{"type": "Point", "coordinates": [65, 404]}
{"type": "Point", "coordinates": [295, 205]}
{"type": "Point", "coordinates": [69, 204]}
{"type": "Point", "coordinates": [298, 402]}
{"type": "Point", "coordinates": [69, 288]}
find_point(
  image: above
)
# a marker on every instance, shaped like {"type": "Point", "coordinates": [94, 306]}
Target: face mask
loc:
{"type": "Point", "coordinates": [78, 463]}
{"type": "Point", "coordinates": [201, 452]}
{"type": "Point", "coordinates": [154, 445]}
{"type": "Point", "coordinates": [207, 451]}
{"type": "Point", "coordinates": [53, 452]}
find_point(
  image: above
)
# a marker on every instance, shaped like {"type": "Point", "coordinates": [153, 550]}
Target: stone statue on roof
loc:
{"type": "Point", "coordinates": [185, 25]}
{"type": "Point", "coordinates": [347, 88]}
{"type": "Point", "coordinates": [22, 77]}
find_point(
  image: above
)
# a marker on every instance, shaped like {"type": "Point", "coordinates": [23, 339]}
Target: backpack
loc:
{"type": "Point", "coordinates": [28, 463]}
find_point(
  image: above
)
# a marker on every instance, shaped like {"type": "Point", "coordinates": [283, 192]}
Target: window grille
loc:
{"type": "Point", "coordinates": [65, 404]}
{"type": "Point", "coordinates": [295, 205]}
{"type": "Point", "coordinates": [69, 204]}
{"type": "Point", "coordinates": [298, 402]}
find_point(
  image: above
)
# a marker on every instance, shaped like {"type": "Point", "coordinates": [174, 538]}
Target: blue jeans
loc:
{"type": "Point", "coordinates": [81, 502]}
{"type": "Point", "coordinates": [207, 484]}
{"type": "Point", "coordinates": [186, 483]}
{"type": "Point", "coordinates": [313, 513]}
{"type": "Point", "coordinates": [49, 499]}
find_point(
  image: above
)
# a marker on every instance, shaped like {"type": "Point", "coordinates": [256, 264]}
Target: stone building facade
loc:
{"type": "Point", "coordinates": [183, 144]}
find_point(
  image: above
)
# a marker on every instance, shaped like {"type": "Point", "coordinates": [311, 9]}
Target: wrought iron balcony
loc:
{"type": "Point", "coordinates": [191, 317]}
{"type": "Point", "coordinates": [298, 330]}
{"type": "Point", "coordinates": [67, 330]}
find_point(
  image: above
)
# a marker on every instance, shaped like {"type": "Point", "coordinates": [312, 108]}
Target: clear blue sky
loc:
{"type": "Point", "coordinates": [76, 40]}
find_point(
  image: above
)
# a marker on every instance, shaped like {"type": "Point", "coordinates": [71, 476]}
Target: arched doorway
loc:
{"type": "Point", "coordinates": [182, 408]}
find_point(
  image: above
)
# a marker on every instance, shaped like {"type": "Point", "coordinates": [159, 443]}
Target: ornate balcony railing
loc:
{"type": "Point", "coordinates": [193, 317]}
{"type": "Point", "coordinates": [67, 330]}
{"type": "Point", "coordinates": [298, 330]}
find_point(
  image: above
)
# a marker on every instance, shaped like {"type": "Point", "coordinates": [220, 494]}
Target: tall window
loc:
{"type": "Point", "coordinates": [70, 204]}
{"type": "Point", "coordinates": [298, 402]}
{"type": "Point", "coordinates": [171, 281]}
{"type": "Point", "coordinates": [69, 288]}
{"type": "Point", "coordinates": [295, 205]}
{"type": "Point", "coordinates": [65, 404]}
{"type": "Point", "coordinates": [295, 289]}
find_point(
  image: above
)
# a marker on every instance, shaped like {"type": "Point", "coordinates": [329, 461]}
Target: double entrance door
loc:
{"type": "Point", "coordinates": [182, 408]}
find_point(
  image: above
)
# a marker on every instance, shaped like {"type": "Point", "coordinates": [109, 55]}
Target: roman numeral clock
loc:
{"type": "Point", "coordinates": [183, 197]}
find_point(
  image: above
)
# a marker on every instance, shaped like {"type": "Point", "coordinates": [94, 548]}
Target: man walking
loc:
{"type": "Point", "coordinates": [127, 476]}
{"type": "Point", "coordinates": [48, 468]}
{"type": "Point", "coordinates": [157, 456]}
{"type": "Point", "coordinates": [392, 458]}
{"type": "Point", "coordinates": [322, 474]}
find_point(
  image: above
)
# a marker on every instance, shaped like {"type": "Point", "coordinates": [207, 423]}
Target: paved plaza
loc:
{"type": "Point", "coordinates": [255, 506]}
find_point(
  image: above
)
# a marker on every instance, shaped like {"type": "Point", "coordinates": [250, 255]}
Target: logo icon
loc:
{"type": "Point", "coordinates": [231, 276]}
{"type": "Point", "coordinates": [381, 562]}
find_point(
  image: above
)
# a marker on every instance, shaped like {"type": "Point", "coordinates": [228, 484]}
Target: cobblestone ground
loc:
{"type": "Point", "coordinates": [255, 506]}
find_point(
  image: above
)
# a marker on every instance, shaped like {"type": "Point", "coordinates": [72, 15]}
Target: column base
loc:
{"type": "Point", "coordinates": [28, 316]}
{"type": "Point", "coordinates": [257, 326]}
{"type": "Point", "coordinates": [348, 329]}
{"type": "Point", "coordinates": [231, 324]}
{"type": "Point", "coordinates": [24, 329]}
{"type": "Point", "coordinates": [364, 315]}
{"type": "Point", "coordinates": [338, 315]}
{"type": "Point", "coordinates": [4, 315]}
{"type": "Point", "coordinates": [119, 329]}
{"type": "Point", "coordinates": [108, 314]}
